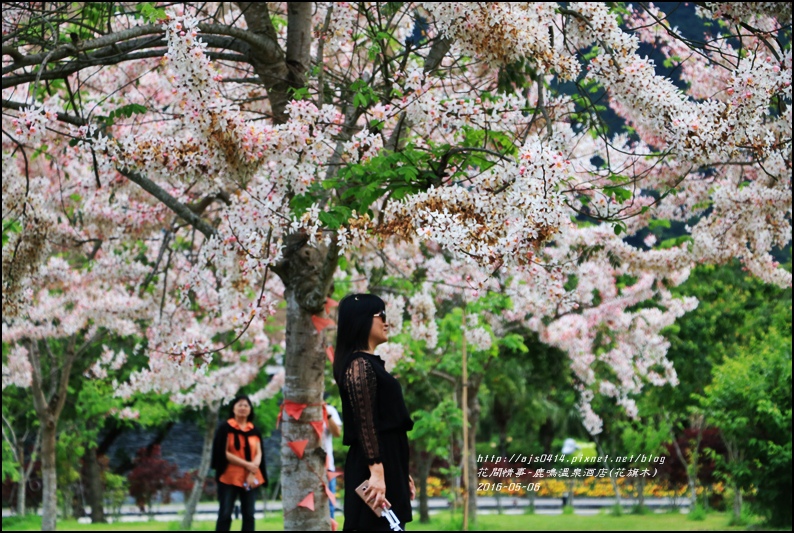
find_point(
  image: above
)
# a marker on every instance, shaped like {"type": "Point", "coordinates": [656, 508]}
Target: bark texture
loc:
{"type": "Point", "coordinates": [307, 273]}
{"type": "Point", "coordinates": [95, 488]}
{"type": "Point", "coordinates": [49, 481]}
{"type": "Point", "coordinates": [425, 461]}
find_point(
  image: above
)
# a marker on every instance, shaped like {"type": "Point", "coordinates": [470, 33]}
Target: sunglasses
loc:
{"type": "Point", "coordinates": [382, 316]}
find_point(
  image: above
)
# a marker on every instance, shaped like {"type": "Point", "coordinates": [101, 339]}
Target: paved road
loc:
{"type": "Point", "coordinates": [485, 505]}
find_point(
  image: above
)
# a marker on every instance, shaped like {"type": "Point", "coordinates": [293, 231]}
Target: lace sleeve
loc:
{"type": "Point", "coordinates": [362, 388]}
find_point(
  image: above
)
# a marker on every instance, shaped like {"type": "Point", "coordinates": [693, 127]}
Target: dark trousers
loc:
{"type": "Point", "coordinates": [227, 494]}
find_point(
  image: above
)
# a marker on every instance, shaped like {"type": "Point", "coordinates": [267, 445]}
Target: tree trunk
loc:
{"type": "Point", "coordinates": [21, 494]}
{"type": "Point", "coordinates": [49, 497]}
{"type": "Point", "coordinates": [425, 461]}
{"type": "Point", "coordinates": [304, 363]}
{"type": "Point", "coordinates": [691, 474]}
{"type": "Point", "coordinates": [93, 483]}
{"type": "Point", "coordinates": [23, 483]}
{"type": "Point", "coordinates": [737, 503]}
{"type": "Point", "coordinates": [612, 481]}
{"type": "Point", "coordinates": [531, 496]}
{"type": "Point", "coordinates": [307, 273]}
{"type": "Point", "coordinates": [641, 495]}
{"type": "Point", "coordinates": [211, 420]}
{"type": "Point", "coordinates": [78, 507]}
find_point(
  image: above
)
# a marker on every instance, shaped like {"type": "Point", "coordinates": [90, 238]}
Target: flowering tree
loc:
{"type": "Point", "coordinates": [212, 145]}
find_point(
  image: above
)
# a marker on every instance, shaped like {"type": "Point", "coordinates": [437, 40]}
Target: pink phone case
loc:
{"type": "Point", "coordinates": [360, 491]}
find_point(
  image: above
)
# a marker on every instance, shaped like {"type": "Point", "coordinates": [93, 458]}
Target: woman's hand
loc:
{"type": "Point", "coordinates": [411, 487]}
{"type": "Point", "coordinates": [376, 486]}
{"type": "Point", "coordinates": [252, 468]}
{"type": "Point", "coordinates": [252, 481]}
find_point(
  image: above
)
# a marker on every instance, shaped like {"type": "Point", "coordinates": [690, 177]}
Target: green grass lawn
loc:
{"type": "Point", "coordinates": [442, 521]}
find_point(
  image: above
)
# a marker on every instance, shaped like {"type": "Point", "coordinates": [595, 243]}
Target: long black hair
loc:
{"type": "Point", "coordinates": [237, 399]}
{"type": "Point", "coordinates": [354, 323]}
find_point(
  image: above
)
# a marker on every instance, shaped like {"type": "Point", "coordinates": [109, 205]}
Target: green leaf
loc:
{"type": "Point", "coordinates": [40, 150]}
{"type": "Point", "coordinates": [300, 93]}
{"type": "Point", "coordinates": [408, 173]}
{"type": "Point", "coordinates": [150, 13]}
{"type": "Point", "coordinates": [621, 194]}
{"type": "Point", "coordinates": [675, 241]}
{"type": "Point", "coordinates": [659, 223]}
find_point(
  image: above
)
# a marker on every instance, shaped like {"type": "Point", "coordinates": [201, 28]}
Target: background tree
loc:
{"type": "Point", "coordinates": [274, 137]}
{"type": "Point", "coordinates": [750, 401]}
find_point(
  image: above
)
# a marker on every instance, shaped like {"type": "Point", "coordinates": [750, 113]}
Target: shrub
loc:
{"type": "Point", "coordinates": [115, 492]}
{"type": "Point", "coordinates": [152, 475]}
{"type": "Point", "coordinates": [640, 509]}
{"type": "Point", "coordinates": [697, 513]}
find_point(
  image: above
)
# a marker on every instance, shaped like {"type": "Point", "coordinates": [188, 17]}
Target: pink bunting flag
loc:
{"type": "Point", "coordinates": [308, 502]}
{"type": "Point", "coordinates": [331, 495]}
{"type": "Point", "coordinates": [294, 409]}
{"type": "Point", "coordinates": [329, 351]}
{"type": "Point", "coordinates": [332, 475]}
{"type": "Point", "coordinates": [298, 446]}
{"type": "Point", "coordinates": [329, 303]}
{"type": "Point", "coordinates": [318, 427]}
{"type": "Point", "coordinates": [321, 323]}
{"type": "Point", "coordinates": [334, 525]}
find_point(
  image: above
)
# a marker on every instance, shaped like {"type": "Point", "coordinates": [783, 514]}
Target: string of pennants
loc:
{"type": "Point", "coordinates": [295, 410]}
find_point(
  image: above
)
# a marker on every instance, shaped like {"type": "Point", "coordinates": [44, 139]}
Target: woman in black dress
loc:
{"type": "Point", "coordinates": [375, 417]}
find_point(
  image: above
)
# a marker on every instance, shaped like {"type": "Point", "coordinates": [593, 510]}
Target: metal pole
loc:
{"type": "Point", "coordinates": [465, 426]}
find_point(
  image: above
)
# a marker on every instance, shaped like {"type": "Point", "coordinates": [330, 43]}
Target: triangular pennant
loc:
{"type": "Point", "coordinates": [329, 303]}
{"type": "Point", "coordinates": [298, 446]}
{"type": "Point", "coordinates": [334, 525]}
{"type": "Point", "coordinates": [332, 475]}
{"type": "Point", "coordinates": [321, 323]}
{"type": "Point", "coordinates": [318, 427]}
{"type": "Point", "coordinates": [294, 409]}
{"type": "Point", "coordinates": [331, 495]}
{"type": "Point", "coordinates": [308, 502]}
{"type": "Point", "coordinates": [329, 351]}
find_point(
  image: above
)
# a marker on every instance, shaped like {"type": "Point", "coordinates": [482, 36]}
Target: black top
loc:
{"type": "Point", "coordinates": [372, 404]}
{"type": "Point", "coordinates": [219, 461]}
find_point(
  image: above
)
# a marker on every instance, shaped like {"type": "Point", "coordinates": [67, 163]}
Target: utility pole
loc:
{"type": "Point", "coordinates": [465, 425]}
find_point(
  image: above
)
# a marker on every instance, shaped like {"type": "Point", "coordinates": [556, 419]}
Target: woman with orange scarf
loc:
{"type": "Point", "coordinates": [239, 462]}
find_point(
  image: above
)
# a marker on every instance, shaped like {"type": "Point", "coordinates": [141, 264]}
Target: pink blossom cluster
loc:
{"type": "Point", "coordinates": [422, 309]}
{"type": "Point", "coordinates": [109, 360]}
{"type": "Point", "coordinates": [30, 123]}
{"type": "Point", "coordinates": [272, 388]}
{"type": "Point", "coordinates": [504, 32]}
{"type": "Point", "coordinates": [17, 370]}
{"type": "Point", "coordinates": [344, 17]}
{"type": "Point", "coordinates": [125, 413]}
{"type": "Point", "coordinates": [746, 11]}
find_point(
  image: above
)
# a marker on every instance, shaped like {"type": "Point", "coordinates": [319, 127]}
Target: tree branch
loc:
{"type": "Point", "coordinates": [172, 203]}
{"type": "Point", "coordinates": [39, 401]}
{"type": "Point", "coordinates": [436, 55]}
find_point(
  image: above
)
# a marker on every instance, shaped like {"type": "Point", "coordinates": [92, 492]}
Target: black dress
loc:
{"type": "Point", "coordinates": [376, 421]}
